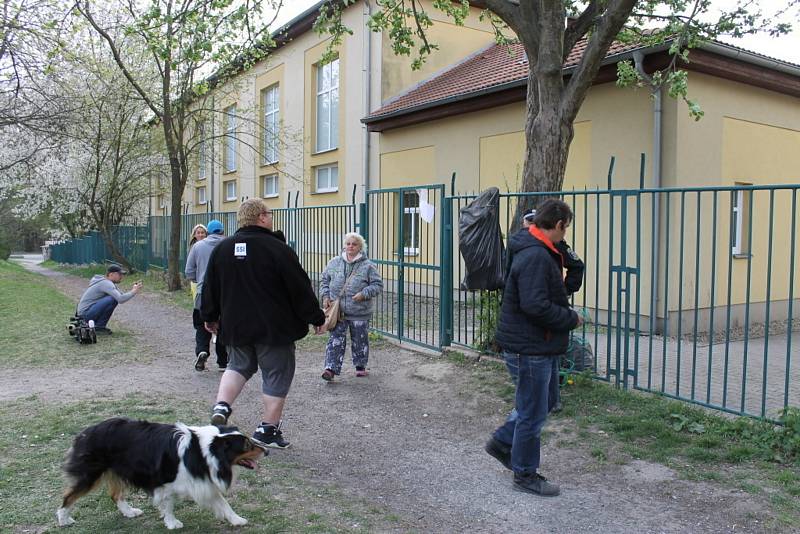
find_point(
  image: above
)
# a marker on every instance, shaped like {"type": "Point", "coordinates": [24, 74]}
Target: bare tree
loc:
{"type": "Point", "coordinates": [186, 41]}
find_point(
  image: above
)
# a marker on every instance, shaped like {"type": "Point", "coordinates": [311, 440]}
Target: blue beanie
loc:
{"type": "Point", "coordinates": [215, 227]}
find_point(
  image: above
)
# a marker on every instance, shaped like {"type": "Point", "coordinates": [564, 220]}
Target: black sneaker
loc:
{"type": "Point", "coordinates": [103, 330]}
{"type": "Point", "coordinates": [270, 435]}
{"type": "Point", "coordinates": [220, 413]}
{"type": "Point", "coordinates": [500, 451]}
{"type": "Point", "coordinates": [535, 483]}
{"type": "Point", "coordinates": [200, 362]}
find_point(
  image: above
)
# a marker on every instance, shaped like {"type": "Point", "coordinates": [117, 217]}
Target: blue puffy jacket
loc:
{"type": "Point", "coordinates": [535, 318]}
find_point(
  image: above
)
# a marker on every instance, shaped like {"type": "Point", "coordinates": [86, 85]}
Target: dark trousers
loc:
{"type": "Point", "coordinates": [202, 340]}
{"type": "Point", "coordinates": [100, 312]}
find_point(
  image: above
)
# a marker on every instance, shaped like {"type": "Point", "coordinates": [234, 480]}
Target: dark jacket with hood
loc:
{"type": "Point", "coordinates": [256, 284]}
{"type": "Point", "coordinates": [535, 318]}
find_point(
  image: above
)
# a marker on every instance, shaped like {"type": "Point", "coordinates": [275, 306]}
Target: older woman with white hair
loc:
{"type": "Point", "coordinates": [353, 279]}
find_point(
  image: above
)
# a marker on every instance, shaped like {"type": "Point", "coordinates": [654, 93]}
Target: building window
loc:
{"type": "Point", "coordinates": [269, 103]}
{"type": "Point", "coordinates": [740, 206]}
{"type": "Point", "coordinates": [327, 178]}
{"type": "Point", "coordinates": [327, 106]}
{"type": "Point", "coordinates": [201, 152]}
{"type": "Point", "coordinates": [230, 190]}
{"type": "Point", "coordinates": [269, 185]}
{"type": "Point", "coordinates": [410, 222]}
{"type": "Point", "coordinates": [201, 195]}
{"type": "Point", "coordinates": [230, 139]}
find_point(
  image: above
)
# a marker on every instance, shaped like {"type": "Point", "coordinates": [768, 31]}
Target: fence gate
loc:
{"type": "Point", "coordinates": [405, 233]}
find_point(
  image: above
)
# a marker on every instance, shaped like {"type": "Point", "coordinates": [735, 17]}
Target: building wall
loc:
{"type": "Point", "coordinates": [747, 135]}
{"type": "Point", "coordinates": [455, 43]}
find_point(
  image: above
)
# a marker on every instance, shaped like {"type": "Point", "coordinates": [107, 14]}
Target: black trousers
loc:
{"type": "Point", "coordinates": [202, 340]}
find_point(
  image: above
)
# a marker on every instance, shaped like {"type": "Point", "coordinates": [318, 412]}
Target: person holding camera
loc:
{"type": "Point", "coordinates": [100, 299]}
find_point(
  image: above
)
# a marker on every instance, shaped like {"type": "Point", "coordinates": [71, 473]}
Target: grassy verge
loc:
{"type": "Point", "coordinates": [743, 453]}
{"type": "Point", "coordinates": [34, 316]}
{"type": "Point", "coordinates": [154, 281]}
{"type": "Point", "coordinates": [278, 497]}
{"type": "Point", "coordinates": [617, 426]}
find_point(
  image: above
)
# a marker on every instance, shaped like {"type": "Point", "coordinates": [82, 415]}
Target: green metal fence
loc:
{"type": "Point", "coordinates": [691, 291]}
{"type": "Point", "coordinates": [132, 242]}
{"type": "Point", "coordinates": [404, 233]}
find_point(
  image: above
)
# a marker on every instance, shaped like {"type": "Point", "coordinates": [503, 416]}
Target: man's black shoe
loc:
{"type": "Point", "coordinates": [500, 451]}
{"type": "Point", "coordinates": [103, 330]}
{"type": "Point", "coordinates": [535, 483]}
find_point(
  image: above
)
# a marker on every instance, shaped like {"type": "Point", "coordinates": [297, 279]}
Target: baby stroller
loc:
{"type": "Point", "coordinates": [82, 330]}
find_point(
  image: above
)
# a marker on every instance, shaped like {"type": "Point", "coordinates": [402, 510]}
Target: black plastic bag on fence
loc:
{"type": "Point", "coordinates": [481, 242]}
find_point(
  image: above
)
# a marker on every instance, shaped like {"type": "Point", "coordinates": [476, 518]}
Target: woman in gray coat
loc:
{"type": "Point", "coordinates": [353, 279]}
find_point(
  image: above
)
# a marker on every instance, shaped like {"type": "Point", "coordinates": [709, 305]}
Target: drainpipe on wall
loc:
{"type": "Point", "coordinates": [211, 178]}
{"type": "Point", "coordinates": [657, 94]}
{"type": "Point", "coordinates": [367, 76]}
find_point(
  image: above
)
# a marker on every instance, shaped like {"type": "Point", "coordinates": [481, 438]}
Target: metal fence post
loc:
{"type": "Point", "coordinates": [446, 274]}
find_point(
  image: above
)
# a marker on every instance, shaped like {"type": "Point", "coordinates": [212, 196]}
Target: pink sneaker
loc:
{"type": "Point", "coordinates": [361, 372]}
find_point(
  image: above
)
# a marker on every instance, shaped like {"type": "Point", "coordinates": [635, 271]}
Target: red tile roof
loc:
{"type": "Point", "coordinates": [492, 67]}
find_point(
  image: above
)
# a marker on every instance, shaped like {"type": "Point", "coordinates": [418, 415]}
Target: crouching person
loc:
{"type": "Point", "coordinates": [100, 299]}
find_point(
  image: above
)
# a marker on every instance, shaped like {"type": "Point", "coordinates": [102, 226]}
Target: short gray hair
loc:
{"type": "Point", "coordinates": [358, 237]}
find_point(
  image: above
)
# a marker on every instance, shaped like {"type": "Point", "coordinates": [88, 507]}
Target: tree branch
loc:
{"type": "Point", "coordinates": [84, 10]}
{"type": "Point", "coordinates": [580, 26]}
{"type": "Point", "coordinates": [607, 28]}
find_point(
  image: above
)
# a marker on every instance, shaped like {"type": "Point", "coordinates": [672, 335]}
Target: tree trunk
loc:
{"type": "Point", "coordinates": [173, 257]}
{"type": "Point", "coordinates": [116, 255]}
{"type": "Point", "coordinates": [548, 135]}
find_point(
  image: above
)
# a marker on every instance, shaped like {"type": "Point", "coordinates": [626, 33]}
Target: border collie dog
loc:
{"type": "Point", "coordinates": [166, 461]}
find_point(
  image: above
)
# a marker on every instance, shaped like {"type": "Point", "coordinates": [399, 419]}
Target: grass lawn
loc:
{"type": "Point", "coordinates": [35, 316]}
{"type": "Point", "coordinates": [278, 497]}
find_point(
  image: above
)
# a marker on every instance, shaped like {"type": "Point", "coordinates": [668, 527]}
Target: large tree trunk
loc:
{"type": "Point", "coordinates": [548, 133]}
{"type": "Point", "coordinates": [173, 257]}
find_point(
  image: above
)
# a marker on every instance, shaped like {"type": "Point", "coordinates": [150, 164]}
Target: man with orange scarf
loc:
{"type": "Point", "coordinates": [533, 332]}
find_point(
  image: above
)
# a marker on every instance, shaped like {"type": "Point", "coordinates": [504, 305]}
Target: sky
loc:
{"type": "Point", "coordinates": [785, 47]}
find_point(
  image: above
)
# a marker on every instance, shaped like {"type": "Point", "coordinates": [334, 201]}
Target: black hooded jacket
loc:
{"type": "Point", "coordinates": [535, 318]}
{"type": "Point", "coordinates": [256, 284]}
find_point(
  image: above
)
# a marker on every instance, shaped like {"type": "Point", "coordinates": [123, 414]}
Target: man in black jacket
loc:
{"type": "Point", "coordinates": [255, 283]}
{"type": "Point", "coordinates": [533, 332]}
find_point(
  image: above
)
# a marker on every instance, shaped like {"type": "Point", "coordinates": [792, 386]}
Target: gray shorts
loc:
{"type": "Point", "coordinates": [276, 364]}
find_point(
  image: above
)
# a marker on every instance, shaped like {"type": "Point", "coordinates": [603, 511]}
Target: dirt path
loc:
{"type": "Point", "coordinates": [410, 437]}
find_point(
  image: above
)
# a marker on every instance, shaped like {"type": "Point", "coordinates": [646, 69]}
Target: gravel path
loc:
{"type": "Point", "coordinates": [410, 437]}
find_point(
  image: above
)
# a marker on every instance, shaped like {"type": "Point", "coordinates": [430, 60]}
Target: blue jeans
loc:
{"type": "Point", "coordinates": [100, 312]}
{"type": "Point", "coordinates": [534, 377]}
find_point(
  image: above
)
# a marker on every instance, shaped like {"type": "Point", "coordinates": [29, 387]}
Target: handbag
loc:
{"type": "Point", "coordinates": [334, 312]}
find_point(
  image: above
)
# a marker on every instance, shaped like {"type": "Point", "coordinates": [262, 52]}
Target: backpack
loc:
{"type": "Point", "coordinates": [82, 330]}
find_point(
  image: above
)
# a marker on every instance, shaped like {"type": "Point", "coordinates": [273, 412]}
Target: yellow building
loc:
{"type": "Point", "coordinates": [469, 120]}
{"type": "Point", "coordinates": [289, 129]}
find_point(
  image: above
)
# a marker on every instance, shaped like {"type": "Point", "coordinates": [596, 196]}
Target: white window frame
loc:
{"type": "Point", "coordinates": [415, 223]}
{"type": "Point", "coordinates": [230, 138]}
{"type": "Point", "coordinates": [201, 153]}
{"type": "Point", "coordinates": [264, 180]}
{"type": "Point", "coordinates": [228, 196]}
{"type": "Point", "coordinates": [201, 195]}
{"type": "Point", "coordinates": [270, 102]}
{"type": "Point", "coordinates": [738, 210]}
{"type": "Point", "coordinates": [329, 186]}
{"type": "Point", "coordinates": [327, 93]}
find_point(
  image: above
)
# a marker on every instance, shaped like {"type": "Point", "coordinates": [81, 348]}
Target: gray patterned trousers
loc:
{"type": "Point", "coordinates": [337, 343]}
